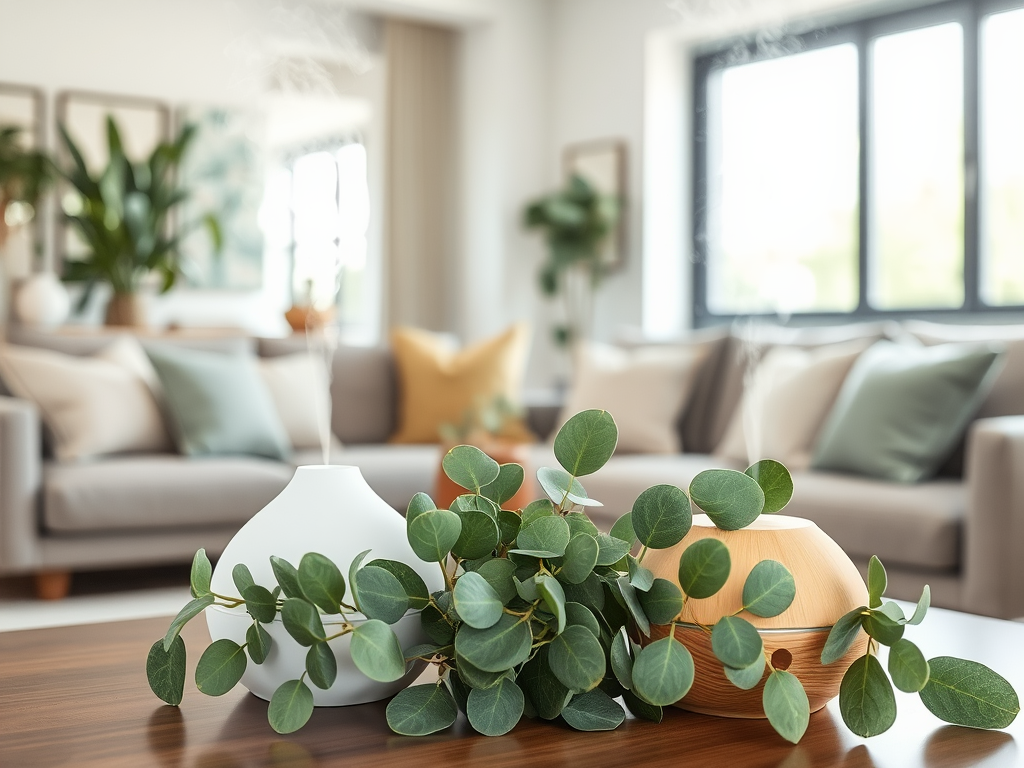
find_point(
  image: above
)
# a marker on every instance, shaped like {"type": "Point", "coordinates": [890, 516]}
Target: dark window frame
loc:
{"type": "Point", "coordinates": [969, 14]}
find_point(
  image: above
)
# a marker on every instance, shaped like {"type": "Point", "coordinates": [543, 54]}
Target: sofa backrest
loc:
{"type": "Point", "coordinates": [363, 389]}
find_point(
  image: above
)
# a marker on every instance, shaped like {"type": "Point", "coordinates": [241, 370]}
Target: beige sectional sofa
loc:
{"type": "Point", "coordinates": [964, 535]}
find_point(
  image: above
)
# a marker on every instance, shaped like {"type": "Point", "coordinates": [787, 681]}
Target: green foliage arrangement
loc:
{"type": "Point", "coordinates": [25, 174]}
{"type": "Point", "coordinates": [576, 221]}
{"type": "Point", "coordinates": [540, 611]}
{"type": "Point", "coordinates": [122, 215]}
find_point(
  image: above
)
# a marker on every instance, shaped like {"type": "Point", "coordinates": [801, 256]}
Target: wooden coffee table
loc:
{"type": "Point", "coordinates": [78, 696]}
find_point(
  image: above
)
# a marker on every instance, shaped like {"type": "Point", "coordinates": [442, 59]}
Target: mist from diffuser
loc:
{"type": "Point", "coordinates": [330, 510]}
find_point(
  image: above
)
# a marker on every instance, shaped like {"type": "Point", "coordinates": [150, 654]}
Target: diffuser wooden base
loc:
{"type": "Point", "coordinates": [828, 586]}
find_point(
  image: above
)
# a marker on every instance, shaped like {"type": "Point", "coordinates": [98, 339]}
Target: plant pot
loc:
{"type": "Point", "coordinates": [828, 585]}
{"type": "Point", "coordinates": [42, 301]}
{"type": "Point", "coordinates": [126, 309]}
{"type": "Point", "coordinates": [330, 510]}
{"type": "Point", "coordinates": [503, 452]}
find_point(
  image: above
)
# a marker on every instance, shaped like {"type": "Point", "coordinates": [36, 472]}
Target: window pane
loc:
{"type": "Point", "coordinates": [1002, 158]}
{"type": "Point", "coordinates": [782, 184]}
{"type": "Point", "coordinates": [917, 136]}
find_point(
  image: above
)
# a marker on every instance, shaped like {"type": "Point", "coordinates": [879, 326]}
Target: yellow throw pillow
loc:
{"type": "Point", "coordinates": [439, 386]}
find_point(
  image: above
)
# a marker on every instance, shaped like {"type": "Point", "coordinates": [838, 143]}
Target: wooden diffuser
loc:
{"type": "Point", "coordinates": [828, 586]}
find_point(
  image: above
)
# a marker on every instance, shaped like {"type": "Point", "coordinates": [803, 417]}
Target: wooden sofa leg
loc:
{"type": "Point", "coordinates": [53, 585]}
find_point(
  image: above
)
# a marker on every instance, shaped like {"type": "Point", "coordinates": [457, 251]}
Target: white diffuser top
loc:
{"type": "Point", "coordinates": [325, 509]}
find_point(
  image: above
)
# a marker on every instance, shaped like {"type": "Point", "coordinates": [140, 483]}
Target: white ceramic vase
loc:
{"type": "Point", "coordinates": [42, 301]}
{"type": "Point", "coordinates": [330, 510]}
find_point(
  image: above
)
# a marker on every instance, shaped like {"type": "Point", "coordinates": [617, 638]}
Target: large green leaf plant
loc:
{"type": "Point", "coordinates": [25, 174]}
{"type": "Point", "coordinates": [541, 612]}
{"type": "Point", "coordinates": [122, 215]}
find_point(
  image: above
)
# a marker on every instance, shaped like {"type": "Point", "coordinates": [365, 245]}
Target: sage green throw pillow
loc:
{"type": "Point", "coordinates": [902, 409]}
{"type": "Point", "coordinates": [218, 403]}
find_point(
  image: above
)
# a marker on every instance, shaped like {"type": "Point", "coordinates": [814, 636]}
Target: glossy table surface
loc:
{"type": "Point", "coordinates": [78, 696]}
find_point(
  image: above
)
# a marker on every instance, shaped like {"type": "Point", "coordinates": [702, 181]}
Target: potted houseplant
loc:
{"type": "Point", "coordinates": [540, 614]}
{"type": "Point", "coordinates": [25, 174]}
{"type": "Point", "coordinates": [123, 217]}
{"type": "Point", "coordinates": [576, 221]}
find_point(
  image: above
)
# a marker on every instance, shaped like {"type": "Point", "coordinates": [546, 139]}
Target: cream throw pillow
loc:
{"type": "Point", "coordinates": [644, 388]}
{"type": "Point", "coordinates": [786, 402]}
{"type": "Point", "coordinates": [91, 405]}
{"type": "Point", "coordinates": [301, 393]}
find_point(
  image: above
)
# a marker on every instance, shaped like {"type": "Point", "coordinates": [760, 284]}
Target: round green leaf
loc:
{"type": "Point", "coordinates": [968, 693]}
{"type": "Point", "coordinates": [220, 667]}
{"type": "Point", "coordinates": [290, 706]}
{"type": "Point", "coordinates": [421, 710]}
{"type": "Point", "coordinates": [536, 509]}
{"type": "Point", "coordinates": [553, 596]}
{"type": "Point", "coordinates": [468, 466]}
{"type": "Point", "coordinates": [202, 572]}
{"type": "Point", "coordinates": [479, 535]}
{"type": "Point", "coordinates": [376, 651]}
{"type": "Point", "coordinates": [477, 678]}
{"type": "Point", "coordinates": [881, 627]}
{"type": "Point", "coordinates": [786, 705]}
{"type": "Point", "coordinates": [661, 516]}
{"type": "Point", "coordinates": [575, 613]}
{"type": "Point", "coordinates": [907, 666]}
{"type": "Point", "coordinates": [166, 670]}
{"type": "Point", "coordinates": [260, 603]}
{"type": "Point", "coordinates": [622, 662]}
{"type": "Point", "coordinates": [560, 485]}
{"type": "Point", "coordinates": [509, 524]}
{"type": "Point", "coordinates": [776, 484]}
{"type": "Point", "coordinates": [748, 677]}
{"type": "Point", "coordinates": [704, 568]}
{"type": "Point", "coordinates": [258, 643]}
{"type": "Point", "coordinates": [433, 533]}
{"type": "Point", "coordinates": [418, 504]}
{"type": "Point", "coordinates": [192, 609]}
{"type": "Point", "coordinates": [641, 708]}
{"type": "Point", "coordinates": [380, 594]}
{"type": "Point", "coordinates": [577, 659]}
{"type": "Point", "coordinates": [663, 672]}
{"type": "Point", "coordinates": [470, 502]}
{"type": "Point", "coordinates": [589, 593]}
{"type": "Point", "coordinates": [498, 573]}
{"type": "Point", "coordinates": [321, 665]}
{"type": "Point", "coordinates": [623, 529]}
{"type": "Point", "coordinates": [497, 648]}
{"type": "Point", "coordinates": [662, 603]}
{"type": "Point", "coordinates": [585, 442]}
{"type": "Point", "coordinates": [610, 549]}
{"type": "Point", "coordinates": [842, 635]}
{"type": "Point", "coordinates": [866, 701]}
{"type": "Point", "coordinates": [736, 643]}
{"type": "Point", "coordinates": [731, 499]}
{"type": "Point", "coordinates": [413, 584]}
{"type": "Point", "coordinates": [495, 711]}
{"type": "Point", "coordinates": [476, 601]}
{"type": "Point", "coordinates": [580, 558]}
{"type": "Point", "coordinates": [593, 711]}
{"type": "Point", "coordinates": [877, 581]}
{"type": "Point", "coordinates": [242, 577]}
{"type": "Point", "coordinates": [287, 577]}
{"type": "Point", "coordinates": [769, 589]}
{"type": "Point", "coordinates": [302, 621]}
{"type": "Point", "coordinates": [546, 534]}
{"type": "Point", "coordinates": [641, 578]}
{"type": "Point", "coordinates": [580, 522]}
{"type": "Point", "coordinates": [506, 484]}
{"type": "Point", "coordinates": [542, 689]}
{"type": "Point", "coordinates": [321, 582]}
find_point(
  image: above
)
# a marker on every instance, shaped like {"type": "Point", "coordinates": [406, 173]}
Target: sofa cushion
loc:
{"type": "Point", "coordinates": [396, 473]}
{"type": "Point", "coordinates": [164, 491]}
{"type": "Point", "coordinates": [362, 388]}
{"type": "Point", "coordinates": [909, 525]}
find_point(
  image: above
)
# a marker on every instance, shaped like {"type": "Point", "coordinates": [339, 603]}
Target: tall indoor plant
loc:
{"type": "Point", "coordinates": [123, 218]}
{"type": "Point", "coordinates": [25, 175]}
{"type": "Point", "coordinates": [576, 222]}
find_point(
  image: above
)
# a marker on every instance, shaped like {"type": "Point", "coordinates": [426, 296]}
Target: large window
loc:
{"type": "Point", "coordinates": [875, 168]}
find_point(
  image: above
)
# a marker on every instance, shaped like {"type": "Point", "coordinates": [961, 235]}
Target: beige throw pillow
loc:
{"type": "Point", "coordinates": [786, 402]}
{"type": "Point", "coordinates": [644, 388]}
{"type": "Point", "coordinates": [301, 393]}
{"type": "Point", "coordinates": [90, 405]}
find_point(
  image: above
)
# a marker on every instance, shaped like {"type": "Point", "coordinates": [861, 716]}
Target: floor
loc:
{"type": "Point", "coordinates": [96, 597]}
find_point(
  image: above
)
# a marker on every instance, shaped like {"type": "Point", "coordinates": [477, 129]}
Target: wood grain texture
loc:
{"type": "Point", "coordinates": [78, 697]}
{"type": "Point", "coordinates": [828, 584]}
